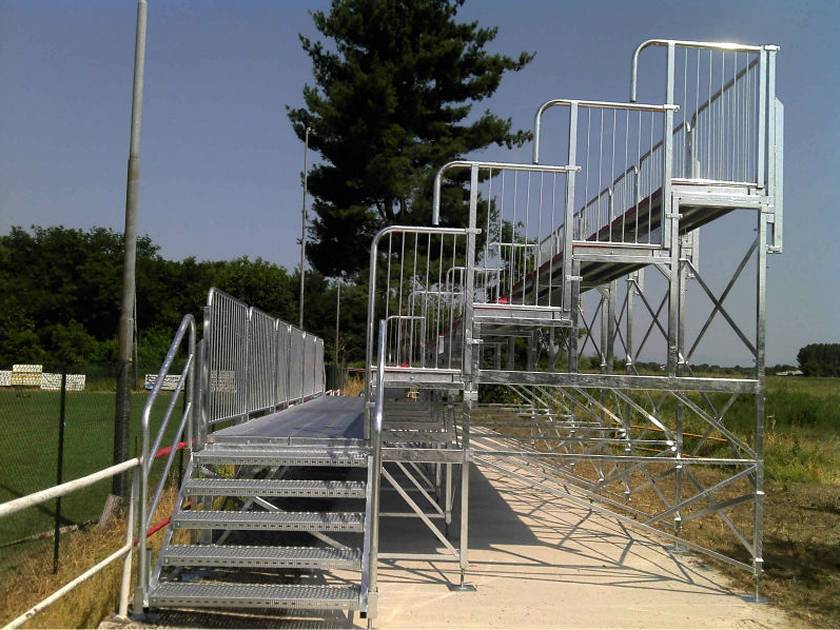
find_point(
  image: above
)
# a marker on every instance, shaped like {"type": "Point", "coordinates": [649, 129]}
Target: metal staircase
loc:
{"type": "Point", "coordinates": [280, 521]}
{"type": "Point", "coordinates": [297, 498]}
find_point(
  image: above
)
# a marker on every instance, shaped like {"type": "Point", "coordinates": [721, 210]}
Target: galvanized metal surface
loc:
{"type": "Point", "coordinates": [226, 595]}
{"type": "Point", "coordinates": [262, 556]}
{"type": "Point", "coordinates": [310, 488]}
{"type": "Point", "coordinates": [256, 363]}
{"type": "Point", "coordinates": [273, 456]}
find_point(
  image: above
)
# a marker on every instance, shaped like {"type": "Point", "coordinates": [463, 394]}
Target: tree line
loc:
{"type": "Point", "coordinates": [60, 295]}
{"type": "Point", "coordinates": [820, 359]}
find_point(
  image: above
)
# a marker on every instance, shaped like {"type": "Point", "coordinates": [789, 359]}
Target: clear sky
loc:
{"type": "Point", "coordinates": [219, 175]}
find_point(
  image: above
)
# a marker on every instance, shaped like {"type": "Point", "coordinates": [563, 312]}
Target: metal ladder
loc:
{"type": "Point", "coordinates": [269, 492]}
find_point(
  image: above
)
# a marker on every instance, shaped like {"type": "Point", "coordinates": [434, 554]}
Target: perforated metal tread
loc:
{"type": "Point", "coordinates": [282, 457]}
{"type": "Point", "coordinates": [330, 489]}
{"type": "Point", "coordinates": [232, 595]}
{"type": "Point", "coordinates": [258, 556]}
{"type": "Point", "coordinates": [281, 521]}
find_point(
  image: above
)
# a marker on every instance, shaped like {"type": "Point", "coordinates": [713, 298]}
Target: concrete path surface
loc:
{"type": "Point", "coordinates": [538, 562]}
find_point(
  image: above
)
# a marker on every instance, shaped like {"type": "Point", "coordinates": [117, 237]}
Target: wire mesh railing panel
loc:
{"type": "Point", "coordinates": [320, 374]}
{"type": "Point", "coordinates": [256, 363]}
{"type": "Point", "coordinates": [262, 354]}
{"type": "Point", "coordinates": [308, 365]}
{"type": "Point", "coordinates": [417, 285]}
{"type": "Point", "coordinates": [281, 375]}
{"type": "Point", "coordinates": [226, 335]}
{"type": "Point", "coordinates": [295, 372]}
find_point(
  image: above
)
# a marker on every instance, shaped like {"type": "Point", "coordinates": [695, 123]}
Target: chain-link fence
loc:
{"type": "Point", "coordinates": [57, 429]}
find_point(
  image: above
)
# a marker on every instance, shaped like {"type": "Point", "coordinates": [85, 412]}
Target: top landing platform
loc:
{"type": "Point", "coordinates": [326, 417]}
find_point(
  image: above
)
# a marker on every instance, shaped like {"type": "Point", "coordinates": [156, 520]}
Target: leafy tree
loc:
{"type": "Point", "coordinates": [820, 359]}
{"type": "Point", "coordinates": [393, 99]}
{"type": "Point", "coordinates": [60, 287]}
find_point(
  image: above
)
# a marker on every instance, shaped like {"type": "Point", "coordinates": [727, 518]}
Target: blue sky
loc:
{"type": "Point", "coordinates": [219, 175]}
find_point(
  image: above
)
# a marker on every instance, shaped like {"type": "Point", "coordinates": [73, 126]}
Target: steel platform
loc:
{"type": "Point", "coordinates": [326, 417]}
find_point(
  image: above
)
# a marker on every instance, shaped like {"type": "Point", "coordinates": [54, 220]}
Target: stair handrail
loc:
{"type": "Point", "coordinates": [371, 550]}
{"type": "Point", "coordinates": [186, 383]}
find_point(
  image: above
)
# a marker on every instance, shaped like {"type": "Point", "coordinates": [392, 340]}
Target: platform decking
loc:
{"type": "Point", "coordinates": [324, 417]}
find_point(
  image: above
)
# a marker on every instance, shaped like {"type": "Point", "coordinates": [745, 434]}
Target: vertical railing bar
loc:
{"type": "Point", "coordinates": [623, 205]}
{"type": "Point", "coordinates": [526, 241]}
{"type": "Point", "coordinates": [552, 252]}
{"type": "Point", "coordinates": [439, 301]}
{"type": "Point", "coordinates": [710, 133]}
{"type": "Point", "coordinates": [538, 249]}
{"type": "Point", "coordinates": [399, 299]}
{"type": "Point", "coordinates": [612, 175]}
{"type": "Point", "coordinates": [598, 222]}
{"type": "Point", "coordinates": [762, 117]}
{"type": "Point", "coordinates": [649, 189]}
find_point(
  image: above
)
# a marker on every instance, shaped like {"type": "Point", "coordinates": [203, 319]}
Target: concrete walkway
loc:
{"type": "Point", "coordinates": [538, 562]}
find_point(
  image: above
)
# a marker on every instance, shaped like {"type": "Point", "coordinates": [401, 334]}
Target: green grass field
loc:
{"type": "Point", "coordinates": [29, 423]}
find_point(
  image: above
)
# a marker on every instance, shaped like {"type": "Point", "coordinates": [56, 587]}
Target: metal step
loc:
{"type": "Point", "coordinates": [232, 595]}
{"type": "Point", "coordinates": [280, 521]}
{"type": "Point", "coordinates": [253, 556]}
{"type": "Point", "coordinates": [330, 489]}
{"type": "Point", "coordinates": [282, 457]}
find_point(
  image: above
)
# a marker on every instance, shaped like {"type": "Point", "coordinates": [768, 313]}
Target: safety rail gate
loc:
{"type": "Point", "coordinates": [528, 323]}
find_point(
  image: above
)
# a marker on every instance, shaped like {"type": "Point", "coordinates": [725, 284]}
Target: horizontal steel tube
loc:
{"type": "Point", "coordinates": [506, 166]}
{"type": "Point", "coordinates": [653, 459]}
{"type": "Point", "coordinates": [36, 498]}
{"type": "Point", "coordinates": [619, 381]}
{"type": "Point", "coordinates": [99, 566]}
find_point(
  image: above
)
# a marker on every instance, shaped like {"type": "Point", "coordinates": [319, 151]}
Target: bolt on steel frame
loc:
{"type": "Point", "coordinates": [551, 264]}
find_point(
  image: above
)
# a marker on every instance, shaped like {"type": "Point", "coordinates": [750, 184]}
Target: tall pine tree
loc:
{"type": "Point", "coordinates": [394, 88]}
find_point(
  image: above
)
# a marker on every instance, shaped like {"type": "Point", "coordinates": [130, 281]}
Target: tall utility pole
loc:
{"type": "Point", "coordinates": [337, 319]}
{"type": "Point", "coordinates": [126, 326]}
{"type": "Point", "coordinates": [303, 220]}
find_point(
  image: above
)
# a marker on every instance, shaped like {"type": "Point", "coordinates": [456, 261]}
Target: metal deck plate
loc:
{"type": "Point", "coordinates": [251, 456]}
{"type": "Point", "coordinates": [257, 556]}
{"type": "Point", "coordinates": [282, 521]}
{"type": "Point", "coordinates": [323, 417]}
{"type": "Point", "coordinates": [222, 595]}
{"type": "Point", "coordinates": [329, 489]}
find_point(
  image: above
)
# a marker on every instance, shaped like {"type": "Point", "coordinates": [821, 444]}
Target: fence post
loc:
{"type": "Point", "coordinates": [59, 474]}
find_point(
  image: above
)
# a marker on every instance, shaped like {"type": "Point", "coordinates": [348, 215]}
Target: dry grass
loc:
{"type": "Point", "coordinates": [93, 600]}
{"type": "Point", "coordinates": [353, 387]}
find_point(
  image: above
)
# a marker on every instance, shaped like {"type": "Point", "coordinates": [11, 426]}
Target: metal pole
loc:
{"type": "Point", "coordinates": [59, 474]}
{"type": "Point", "coordinates": [303, 221]}
{"type": "Point", "coordinates": [126, 326]}
{"type": "Point", "coordinates": [337, 319]}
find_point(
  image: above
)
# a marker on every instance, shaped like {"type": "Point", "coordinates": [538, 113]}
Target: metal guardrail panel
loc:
{"type": "Point", "coordinates": [295, 361]}
{"type": "Point", "coordinates": [281, 376]}
{"type": "Point", "coordinates": [262, 354]}
{"type": "Point", "coordinates": [226, 336]}
{"type": "Point", "coordinates": [256, 362]}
